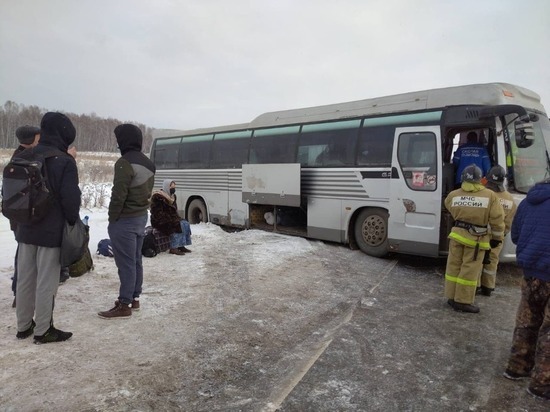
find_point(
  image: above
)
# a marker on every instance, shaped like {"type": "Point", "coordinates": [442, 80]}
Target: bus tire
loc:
{"type": "Point", "coordinates": [197, 212]}
{"type": "Point", "coordinates": [371, 232]}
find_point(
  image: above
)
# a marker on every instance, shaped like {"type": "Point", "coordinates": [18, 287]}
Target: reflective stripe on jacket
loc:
{"type": "Point", "coordinates": [480, 207]}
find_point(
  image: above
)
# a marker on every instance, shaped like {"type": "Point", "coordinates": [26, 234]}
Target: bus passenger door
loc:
{"type": "Point", "coordinates": [415, 191]}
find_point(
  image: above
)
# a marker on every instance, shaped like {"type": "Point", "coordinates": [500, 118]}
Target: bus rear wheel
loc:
{"type": "Point", "coordinates": [197, 212]}
{"type": "Point", "coordinates": [371, 232]}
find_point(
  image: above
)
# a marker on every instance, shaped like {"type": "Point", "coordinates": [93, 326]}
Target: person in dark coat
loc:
{"type": "Point", "coordinates": [28, 137]}
{"type": "Point", "coordinates": [128, 212]}
{"type": "Point", "coordinates": [165, 218]}
{"type": "Point", "coordinates": [530, 353]}
{"type": "Point", "coordinates": [39, 244]}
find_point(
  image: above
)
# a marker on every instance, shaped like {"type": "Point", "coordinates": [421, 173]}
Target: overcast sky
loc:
{"type": "Point", "coordinates": [188, 64]}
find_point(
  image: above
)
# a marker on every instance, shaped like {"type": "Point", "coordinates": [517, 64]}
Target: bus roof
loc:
{"type": "Point", "coordinates": [482, 94]}
{"type": "Point", "coordinates": [474, 94]}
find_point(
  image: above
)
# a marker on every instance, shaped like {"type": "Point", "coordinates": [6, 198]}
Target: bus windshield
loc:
{"type": "Point", "coordinates": [530, 164]}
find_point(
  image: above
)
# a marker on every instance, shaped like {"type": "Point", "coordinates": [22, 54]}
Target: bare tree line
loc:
{"type": "Point", "coordinates": [93, 133]}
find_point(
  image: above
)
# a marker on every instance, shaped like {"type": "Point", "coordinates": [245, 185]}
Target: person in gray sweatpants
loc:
{"type": "Point", "coordinates": [39, 243]}
{"type": "Point", "coordinates": [36, 264]}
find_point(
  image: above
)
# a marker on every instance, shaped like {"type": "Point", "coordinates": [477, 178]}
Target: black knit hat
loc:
{"type": "Point", "coordinates": [25, 134]}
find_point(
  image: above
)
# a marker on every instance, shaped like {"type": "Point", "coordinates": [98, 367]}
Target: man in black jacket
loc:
{"type": "Point", "coordinates": [39, 244]}
{"type": "Point", "coordinates": [128, 212]}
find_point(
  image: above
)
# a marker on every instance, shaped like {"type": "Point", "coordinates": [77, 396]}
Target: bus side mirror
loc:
{"type": "Point", "coordinates": [524, 134]}
{"type": "Point", "coordinates": [530, 117]}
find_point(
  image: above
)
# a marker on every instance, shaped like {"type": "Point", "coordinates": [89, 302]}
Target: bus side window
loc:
{"type": "Point", "coordinates": [375, 146]}
{"type": "Point", "coordinates": [328, 144]}
{"type": "Point", "coordinates": [195, 152]}
{"type": "Point", "coordinates": [276, 145]}
{"type": "Point", "coordinates": [417, 157]}
{"type": "Point", "coordinates": [230, 149]}
{"type": "Point", "coordinates": [166, 153]}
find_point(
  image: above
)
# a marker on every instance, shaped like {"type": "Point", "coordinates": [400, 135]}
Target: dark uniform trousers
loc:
{"type": "Point", "coordinates": [531, 343]}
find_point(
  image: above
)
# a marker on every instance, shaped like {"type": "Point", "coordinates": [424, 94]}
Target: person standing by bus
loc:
{"type": "Point", "coordinates": [495, 182]}
{"type": "Point", "coordinates": [469, 153]}
{"type": "Point", "coordinates": [530, 351]}
{"type": "Point", "coordinates": [472, 207]}
{"type": "Point", "coordinates": [128, 213]}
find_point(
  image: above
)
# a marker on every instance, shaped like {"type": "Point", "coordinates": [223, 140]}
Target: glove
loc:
{"type": "Point", "coordinates": [494, 243]}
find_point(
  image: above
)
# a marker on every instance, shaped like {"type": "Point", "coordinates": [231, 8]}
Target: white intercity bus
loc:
{"type": "Point", "coordinates": [370, 173]}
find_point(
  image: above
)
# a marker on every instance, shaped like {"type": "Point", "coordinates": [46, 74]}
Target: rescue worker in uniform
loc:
{"type": "Point", "coordinates": [495, 182]}
{"type": "Point", "coordinates": [473, 207]}
{"type": "Point", "coordinates": [471, 152]}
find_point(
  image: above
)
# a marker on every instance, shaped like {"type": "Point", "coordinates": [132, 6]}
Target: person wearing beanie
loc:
{"type": "Point", "coordinates": [39, 244]}
{"type": "Point", "coordinates": [27, 136]}
{"type": "Point", "coordinates": [495, 182]}
{"type": "Point", "coordinates": [133, 182]}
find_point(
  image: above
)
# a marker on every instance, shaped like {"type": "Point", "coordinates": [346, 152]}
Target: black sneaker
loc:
{"type": "Point", "coordinates": [26, 333]}
{"type": "Point", "coordinates": [52, 335]}
{"type": "Point", "coordinates": [539, 394]}
{"type": "Point", "coordinates": [514, 376]}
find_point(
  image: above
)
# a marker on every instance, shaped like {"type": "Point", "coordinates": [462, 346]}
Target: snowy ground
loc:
{"type": "Point", "coordinates": [237, 297]}
{"type": "Point", "coordinates": [256, 321]}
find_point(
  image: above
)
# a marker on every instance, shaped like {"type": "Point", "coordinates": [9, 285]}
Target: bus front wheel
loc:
{"type": "Point", "coordinates": [371, 232]}
{"type": "Point", "coordinates": [197, 212]}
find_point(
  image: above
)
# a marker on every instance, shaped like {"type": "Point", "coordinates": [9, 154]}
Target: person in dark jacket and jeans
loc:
{"type": "Point", "coordinates": [39, 244]}
{"type": "Point", "coordinates": [530, 354]}
{"type": "Point", "coordinates": [128, 212]}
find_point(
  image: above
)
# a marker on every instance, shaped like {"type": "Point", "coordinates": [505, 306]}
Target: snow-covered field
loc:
{"type": "Point", "coordinates": [135, 364]}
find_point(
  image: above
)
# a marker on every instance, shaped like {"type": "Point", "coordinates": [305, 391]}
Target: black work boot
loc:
{"type": "Point", "coordinates": [465, 307]}
{"type": "Point", "coordinates": [485, 291]}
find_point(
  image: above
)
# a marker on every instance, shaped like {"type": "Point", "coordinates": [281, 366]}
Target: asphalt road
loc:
{"type": "Point", "coordinates": [402, 348]}
{"type": "Point", "coordinates": [262, 322]}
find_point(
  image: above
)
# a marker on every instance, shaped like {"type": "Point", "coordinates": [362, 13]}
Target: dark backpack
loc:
{"type": "Point", "coordinates": [149, 248]}
{"type": "Point", "coordinates": [105, 248]}
{"type": "Point", "coordinates": [26, 196]}
{"type": "Point", "coordinates": [85, 264]}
